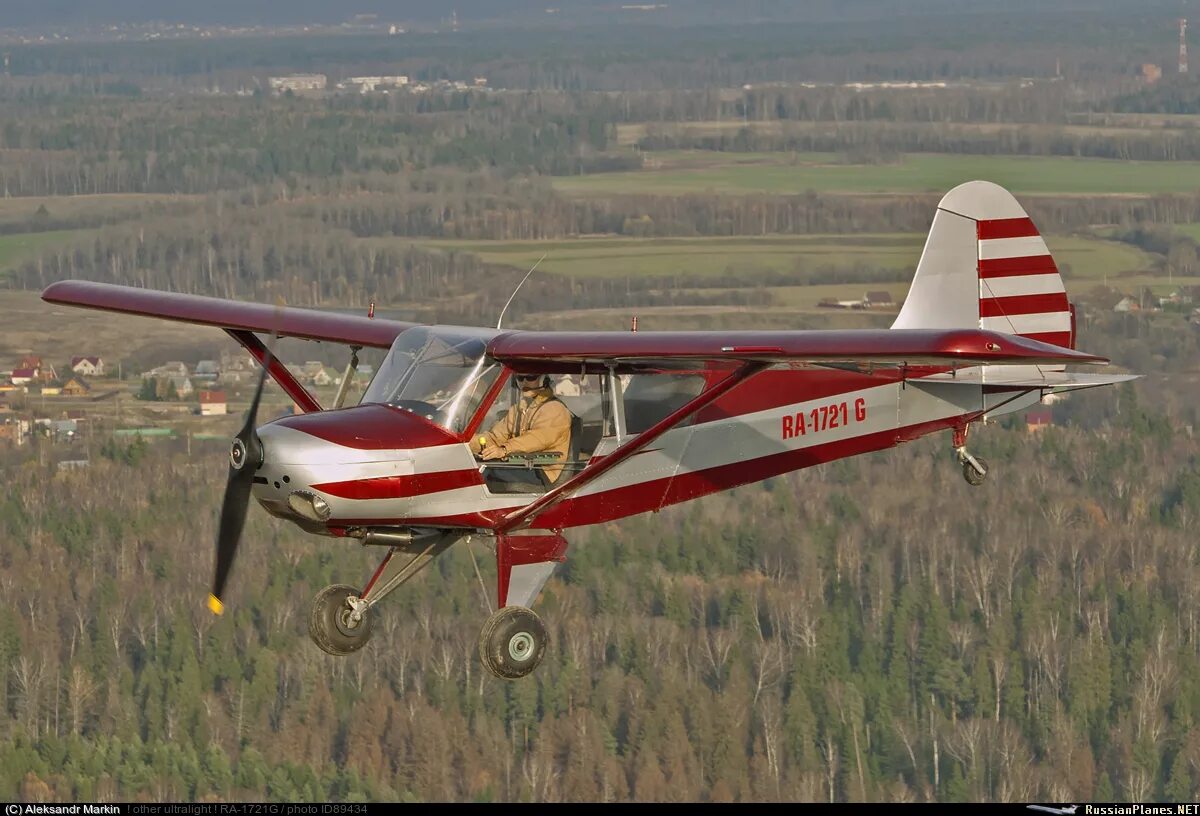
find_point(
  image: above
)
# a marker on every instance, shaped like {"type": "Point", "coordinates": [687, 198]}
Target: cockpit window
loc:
{"type": "Point", "coordinates": [439, 373]}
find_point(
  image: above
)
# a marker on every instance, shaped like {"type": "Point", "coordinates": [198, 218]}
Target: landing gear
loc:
{"type": "Point", "coordinates": [974, 468]}
{"type": "Point", "coordinates": [513, 640]}
{"type": "Point", "coordinates": [512, 643]}
{"type": "Point", "coordinates": [339, 622]}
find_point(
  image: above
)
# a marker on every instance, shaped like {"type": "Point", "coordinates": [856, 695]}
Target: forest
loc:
{"type": "Point", "coordinates": [802, 639]}
{"type": "Point", "coordinates": [868, 630]}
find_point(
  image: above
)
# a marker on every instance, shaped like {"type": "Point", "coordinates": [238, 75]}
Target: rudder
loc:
{"type": "Point", "coordinates": [986, 266]}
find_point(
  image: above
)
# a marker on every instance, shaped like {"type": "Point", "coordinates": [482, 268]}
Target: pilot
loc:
{"type": "Point", "coordinates": [538, 423]}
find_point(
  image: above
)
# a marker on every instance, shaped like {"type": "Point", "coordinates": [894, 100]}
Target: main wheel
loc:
{"type": "Point", "coordinates": [974, 477]}
{"type": "Point", "coordinates": [512, 643]}
{"type": "Point", "coordinates": [331, 623]}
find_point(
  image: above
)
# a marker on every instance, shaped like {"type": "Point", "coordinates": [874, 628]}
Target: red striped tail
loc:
{"type": "Point", "coordinates": [1020, 289]}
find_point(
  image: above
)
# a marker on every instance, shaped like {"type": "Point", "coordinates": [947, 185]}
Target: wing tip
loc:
{"type": "Point", "coordinates": [215, 606]}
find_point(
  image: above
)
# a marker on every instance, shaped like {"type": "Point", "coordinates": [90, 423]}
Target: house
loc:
{"type": "Point", "coordinates": [878, 300]}
{"type": "Point", "coordinates": [23, 376]}
{"type": "Point", "coordinates": [1038, 419]}
{"type": "Point", "coordinates": [88, 366]}
{"type": "Point", "coordinates": [236, 361]}
{"type": "Point", "coordinates": [14, 431]}
{"type": "Point", "coordinates": [212, 403]}
{"type": "Point", "coordinates": [207, 370]}
{"type": "Point", "coordinates": [64, 428]}
{"type": "Point", "coordinates": [312, 368]}
{"type": "Point", "coordinates": [170, 370]}
{"type": "Point", "coordinates": [75, 387]}
{"type": "Point", "coordinates": [323, 378]}
{"type": "Point", "coordinates": [183, 386]}
{"type": "Point", "coordinates": [1127, 304]}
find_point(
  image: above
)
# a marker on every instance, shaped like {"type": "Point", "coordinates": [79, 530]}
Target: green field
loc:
{"type": "Point", "coordinates": [619, 257]}
{"type": "Point", "coordinates": [16, 248]}
{"type": "Point", "coordinates": [1190, 230]}
{"type": "Point", "coordinates": [1114, 125]}
{"type": "Point", "coordinates": [703, 171]}
{"type": "Point", "coordinates": [111, 207]}
{"type": "Point", "coordinates": [1087, 258]}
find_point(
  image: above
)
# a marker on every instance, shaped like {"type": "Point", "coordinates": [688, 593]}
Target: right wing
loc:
{"type": "Point", "coordinates": [231, 315]}
{"type": "Point", "coordinates": [947, 348]}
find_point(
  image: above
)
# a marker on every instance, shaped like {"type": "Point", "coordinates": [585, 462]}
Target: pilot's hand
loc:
{"type": "Point", "coordinates": [493, 452]}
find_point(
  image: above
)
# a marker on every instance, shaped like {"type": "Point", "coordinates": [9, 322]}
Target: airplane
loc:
{"type": "Point", "coordinates": [657, 418]}
{"type": "Point", "coordinates": [1062, 811]}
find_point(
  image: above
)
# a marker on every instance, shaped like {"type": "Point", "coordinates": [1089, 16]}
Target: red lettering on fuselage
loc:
{"type": "Point", "coordinates": [823, 418]}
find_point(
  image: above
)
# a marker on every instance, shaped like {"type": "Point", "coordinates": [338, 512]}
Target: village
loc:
{"type": "Point", "coordinates": [67, 405]}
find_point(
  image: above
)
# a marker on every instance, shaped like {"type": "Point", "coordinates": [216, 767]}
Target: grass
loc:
{"type": "Point", "coordinates": [630, 133]}
{"type": "Point", "coordinates": [16, 248]}
{"type": "Point", "coordinates": [1190, 230]}
{"type": "Point", "coordinates": [109, 207]}
{"type": "Point", "coordinates": [711, 171]}
{"type": "Point", "coordinates": [1089, 259]}
{"type": "Point", "coordinates": [620, 257]}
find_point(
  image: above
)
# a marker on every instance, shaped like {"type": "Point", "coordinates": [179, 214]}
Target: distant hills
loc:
{"type": "Point", "coordinates": [92, 12]}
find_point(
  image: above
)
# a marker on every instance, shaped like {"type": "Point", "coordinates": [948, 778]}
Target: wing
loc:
{"type": "Point", "coordinates": [230, 315]}
{"type": "Point", "coordinates": [911, 347]}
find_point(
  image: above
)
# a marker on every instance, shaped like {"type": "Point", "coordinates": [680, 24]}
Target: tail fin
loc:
{"type": "Point", "coordinates": [985, 266]}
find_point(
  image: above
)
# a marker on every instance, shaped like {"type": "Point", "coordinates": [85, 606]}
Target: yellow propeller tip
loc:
{"type": "Point", "coordinates": [214, 605]}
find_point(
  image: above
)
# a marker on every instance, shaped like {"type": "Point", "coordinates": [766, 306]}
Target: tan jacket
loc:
{"type": "Point", "coordinates": [545, 428]}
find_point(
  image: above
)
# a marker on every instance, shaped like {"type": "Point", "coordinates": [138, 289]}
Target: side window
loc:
{"type": "Point", "coordinates": [652, 397]}
{"type": "Point", "coordinates": [584, 397]}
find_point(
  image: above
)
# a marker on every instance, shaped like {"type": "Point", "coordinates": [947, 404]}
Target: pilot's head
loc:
{"type": "Point", "coordinates": [532, 382]}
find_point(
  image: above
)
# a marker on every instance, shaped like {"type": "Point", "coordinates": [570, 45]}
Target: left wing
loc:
{"type": "Point", "coordinates": [912, 347]}
{"type": "Point", "coordinates": [231, 315]}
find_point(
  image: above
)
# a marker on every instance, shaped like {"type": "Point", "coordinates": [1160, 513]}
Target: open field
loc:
{"type": "Point", "coordinates": [17, 248]}
{"type": "Point", "coordinates": [630, 133]}
{"type": "Point", "coordinates": [1086, 258]}
{"type": "Point", "coordinates": [693, 171]}
{"type": "Point", "coordinates": [111, 207]}
{"type": "Point", "coordinates": [1190, 230]}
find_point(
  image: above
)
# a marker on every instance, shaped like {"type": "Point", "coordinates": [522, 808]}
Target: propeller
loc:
{"type": "Point", "coordinates": [245, 457]}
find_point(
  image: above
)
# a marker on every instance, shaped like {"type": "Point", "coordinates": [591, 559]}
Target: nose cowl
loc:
{"type": "Point", "coordinates": [362, 432]}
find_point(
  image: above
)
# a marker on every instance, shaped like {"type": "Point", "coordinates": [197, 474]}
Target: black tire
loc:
{"type": "Point", "coordinates": [975, 478]}
{"type": "Point", "coordinates": [512, 642]}
{"type": "Point", "coordinates": [329, 623]}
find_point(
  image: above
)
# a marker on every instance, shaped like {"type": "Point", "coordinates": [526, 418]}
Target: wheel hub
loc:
{"type": "Point", "coordinates": [520, 646]}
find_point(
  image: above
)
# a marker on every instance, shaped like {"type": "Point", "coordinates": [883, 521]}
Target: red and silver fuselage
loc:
{"type": "Point", "coordinates": [379, 466]}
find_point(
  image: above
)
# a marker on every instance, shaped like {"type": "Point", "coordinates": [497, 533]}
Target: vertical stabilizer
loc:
{"type": "Point", "coordinates": [986, 266]}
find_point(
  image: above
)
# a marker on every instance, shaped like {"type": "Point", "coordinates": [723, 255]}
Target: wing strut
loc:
{"type": "Point", "coordinates": [278, 371]}
{"type": "Point", "coordinates": [524, 515]}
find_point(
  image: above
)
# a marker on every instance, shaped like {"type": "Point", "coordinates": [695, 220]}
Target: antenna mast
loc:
{"type": "Point", "coordinates": [500, 319]}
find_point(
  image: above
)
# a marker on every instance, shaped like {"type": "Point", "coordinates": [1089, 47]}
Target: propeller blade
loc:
{"type": "Point", "coordinates": [245, 457]}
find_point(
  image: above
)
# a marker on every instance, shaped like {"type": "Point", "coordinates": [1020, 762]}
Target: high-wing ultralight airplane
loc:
{"type": "Point", "coordinates": [657, 418]}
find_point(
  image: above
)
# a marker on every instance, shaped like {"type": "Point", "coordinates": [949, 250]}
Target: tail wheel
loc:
{"type": "Point", "coordinates": [975, 477]}
{"type": "Point", "coordinates": [332, 624]}
{"type": "Point", "coordinates": [512, 643]}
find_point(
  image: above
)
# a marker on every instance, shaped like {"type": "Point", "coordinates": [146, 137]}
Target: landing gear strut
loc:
{"type": "Point", "coordinates": [513, 640]}
{"type": "Point", "coordinates": [341, 618]}
{"type": "Point", "coordinates": [974, 468]}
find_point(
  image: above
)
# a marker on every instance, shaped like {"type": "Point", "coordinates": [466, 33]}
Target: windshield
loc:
{"type": "Point", "coordinates": [438, 373]}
